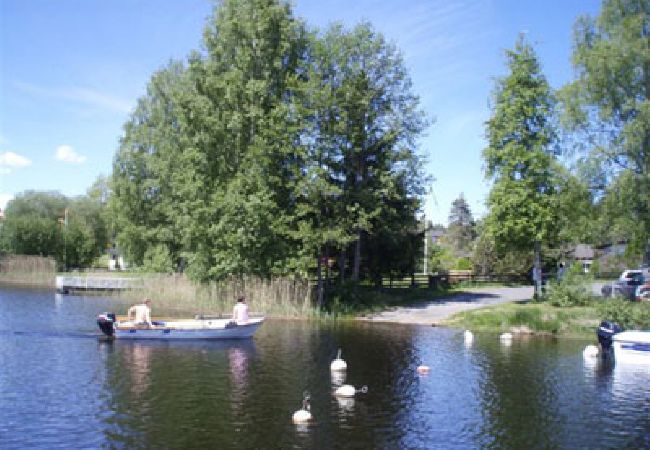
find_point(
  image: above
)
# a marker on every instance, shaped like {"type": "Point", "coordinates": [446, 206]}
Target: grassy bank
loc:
{"type": "Point", "coordinates": [28, 270]}
{"type": "Point", "coordinates": [542, 317]}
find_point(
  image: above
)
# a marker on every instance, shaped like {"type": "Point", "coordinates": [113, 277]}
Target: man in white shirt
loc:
{"type": "Point", "coordinates": [240, 311]}
{"type": "Point", "coordinates": [141, 314]}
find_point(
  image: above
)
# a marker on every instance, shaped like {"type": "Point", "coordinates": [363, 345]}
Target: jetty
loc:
{"type": "Point", "coordinates": [65, 284]}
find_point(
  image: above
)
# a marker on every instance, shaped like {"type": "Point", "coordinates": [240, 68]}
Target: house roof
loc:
{"type": "Point", "coordinates": [583, 251]}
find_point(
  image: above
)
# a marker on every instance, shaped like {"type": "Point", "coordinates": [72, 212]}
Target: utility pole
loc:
{"type": "Point", "coordinates": [426, 244]}
{"type": "Point", "coordinates": [65, 239]}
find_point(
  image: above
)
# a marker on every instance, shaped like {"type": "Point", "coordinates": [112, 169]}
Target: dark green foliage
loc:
{"type": "Point", "coordinates": [573, 289]}
{"type": "Point", "coordinates": [630, 315]}
{"type": "Point", "coordinates": [461, 231]}
{"type": "Point", "coordinates": [73, 231]}
{"type": "Point", "coordinates": [607, 109]}
{"type": "Point", "coordinates": [273, 148]}
{"type": "Point", "coordinates": [519, 159]}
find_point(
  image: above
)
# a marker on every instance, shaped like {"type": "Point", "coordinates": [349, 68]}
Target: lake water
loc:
{"type": "Point", "coordinates": [61, 387]}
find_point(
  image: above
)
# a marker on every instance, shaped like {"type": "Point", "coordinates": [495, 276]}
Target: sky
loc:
{"type": "Point", "coordinates": [71, 72]}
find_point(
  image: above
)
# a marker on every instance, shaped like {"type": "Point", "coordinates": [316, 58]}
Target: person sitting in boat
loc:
{"type": "Point", "coordinates": [141, 314]}
{"type": "Point", "coordinates": [240, 311]}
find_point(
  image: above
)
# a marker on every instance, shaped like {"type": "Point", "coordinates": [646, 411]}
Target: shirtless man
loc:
{"type": "Point", "coordinates": [141, 314]}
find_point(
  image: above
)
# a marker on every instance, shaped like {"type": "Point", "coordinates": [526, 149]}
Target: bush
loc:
{"type": "Point", "coordinates": [573, 289]}
{"type": "Point", "coordinates": [629, 315]}
{"type": "Point", "coordinates": [157, 259]}
{"type": "Point", "coordinates": [464, 264]}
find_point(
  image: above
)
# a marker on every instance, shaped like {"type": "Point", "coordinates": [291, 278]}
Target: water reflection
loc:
{"type": "Point", "coordinates": [346, 405]}
{"type": "Point", "coordinates": [137, 359]}
{"type": "Point", "coordinates": [238, 363]}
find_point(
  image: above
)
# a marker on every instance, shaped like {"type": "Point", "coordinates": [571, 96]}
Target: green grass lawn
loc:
{"type": "Point", "coordinates": [536, 317]}
{"type": "Point", "coordinates": [541, 317]}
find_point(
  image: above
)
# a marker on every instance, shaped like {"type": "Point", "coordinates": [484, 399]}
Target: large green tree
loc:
{"type": "Point", "coordinates": [73, 231]}
{"type": "Point", "coordinates": [271, 151]}
{"type": "Point", "coordinates": [204, 172]}
{"type": "Point", "coordinates": [519, 159]}
{"type": "Point", "coordinates": [608, 108]}
{"type": "Point", "coordinates": [374, 123]}
{"type": "Point", "coordinates": [146, 209]}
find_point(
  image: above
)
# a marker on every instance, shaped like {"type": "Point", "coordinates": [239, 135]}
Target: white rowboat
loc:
{"type": "Point", "coordinates": [199, 328]}
{"type": "Point", "coordinates": [632, 347]}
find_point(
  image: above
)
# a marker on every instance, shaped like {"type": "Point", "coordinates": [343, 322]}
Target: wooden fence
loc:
{"type": "Point", "coordinates": [450, 278]}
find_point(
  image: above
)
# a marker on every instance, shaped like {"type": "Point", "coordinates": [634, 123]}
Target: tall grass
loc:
{"type": "Point", "coordinates": [175, 294]}
{"type": "Point", "coordinates": [29, 270]}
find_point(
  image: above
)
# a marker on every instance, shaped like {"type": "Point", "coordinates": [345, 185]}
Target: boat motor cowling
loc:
{"type": "Point", "coordinates": [106, 321]}
{"type": "Point", "coordinates": [606, 332]}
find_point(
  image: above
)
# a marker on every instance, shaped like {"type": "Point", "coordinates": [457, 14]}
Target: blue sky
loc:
{"type": "Point", "coordinates": [71, 71]}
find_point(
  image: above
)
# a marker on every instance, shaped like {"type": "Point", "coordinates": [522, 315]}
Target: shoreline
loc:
{"type": "Point", "coordinates": [437, 311]}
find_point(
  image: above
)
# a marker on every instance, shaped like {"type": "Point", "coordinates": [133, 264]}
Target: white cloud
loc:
{"type": "Point", "coordinates": [11, 160]}
{"type": "Point", "coordinates": [79, 94]}
{"type": "Point", "coordinates": [67, 154]}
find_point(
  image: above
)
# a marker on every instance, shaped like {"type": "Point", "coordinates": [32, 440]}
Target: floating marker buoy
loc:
{"type": "Point", "coordinates": [304, 414]}
{"type": "Point", "coordinates": [338, 364]}
{"type": "Point", "coordinates": [348, 390]}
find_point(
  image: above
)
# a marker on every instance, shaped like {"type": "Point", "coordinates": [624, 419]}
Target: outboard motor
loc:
{"type": "Point", "coordinates": [606, 332]}
{"type": "Point", "coordinates": [106, 322]}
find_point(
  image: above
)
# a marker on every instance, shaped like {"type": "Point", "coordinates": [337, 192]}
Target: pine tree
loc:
{"type": "Point", "coordinates": [519, 159]}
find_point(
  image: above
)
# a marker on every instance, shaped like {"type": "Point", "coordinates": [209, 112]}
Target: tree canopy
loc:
{"type": "Point", "coordinates": [74, 231]}
{"type": "Point", "coordinates": [273, 148]}
{"type": "Point", "coordinates": [607, 108]}
{"type": "Point", "coordinates": [519, 158]}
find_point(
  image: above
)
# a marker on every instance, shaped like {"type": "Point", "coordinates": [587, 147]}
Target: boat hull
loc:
{"type": "Point", "coordinates": [186, 329]}
{"type": "Point", "coordinates": [632, 347]}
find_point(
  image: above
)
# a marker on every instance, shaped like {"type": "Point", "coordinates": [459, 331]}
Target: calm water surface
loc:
{"type": "Point", "coordinates": [60, 387]}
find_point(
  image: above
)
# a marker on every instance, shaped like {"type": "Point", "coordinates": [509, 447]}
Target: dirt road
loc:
{"type": "Point", "coordinates": [433, 312]}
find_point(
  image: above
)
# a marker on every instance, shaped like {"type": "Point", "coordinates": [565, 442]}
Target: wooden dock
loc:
{"type": "Point", "coordinates": [66, 284]}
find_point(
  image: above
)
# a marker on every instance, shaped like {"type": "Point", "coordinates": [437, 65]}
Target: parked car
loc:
{"type": "Point", "coordinates": [626, 285]}
{"type": "Point", "coordinates": [642, 293]}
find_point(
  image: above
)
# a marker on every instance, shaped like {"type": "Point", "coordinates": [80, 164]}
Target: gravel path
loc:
{"type": "Point", "coordinates": [435, 311]}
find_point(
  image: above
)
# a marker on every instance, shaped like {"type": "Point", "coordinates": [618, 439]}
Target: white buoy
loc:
{"type": "Point", "coordinates": [590, 351]}
{"type": "Point", "coordinates": [423, 370]}
{"type": "Point", "coordinates": [469, 336]}
{"type": "Point", "coordinates": [338, 364]}
{"type": "Point", "coordinates": [338, 377]}
{"type": "Point", "coordinates": [303, 415]}
{"type": "Point", "coordinates": [506, 336]}
{"type": "Point", "coordinates": [347, 390]}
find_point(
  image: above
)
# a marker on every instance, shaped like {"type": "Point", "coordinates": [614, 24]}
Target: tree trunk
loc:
{"type": "Point", "coordinates": [537, 270]}
{"type": "Point", "coordinates": [319, 290]}
{"type": "Point", "coordinates": [342, 259]}
{"type": "Point", "coordinates": [357, 258]}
